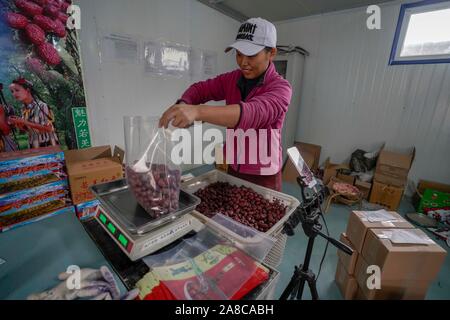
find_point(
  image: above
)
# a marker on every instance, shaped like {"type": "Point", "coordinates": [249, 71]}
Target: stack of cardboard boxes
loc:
{"type": "Point", "coordinates": [391, 175]}
{"type": "Point", "coordinates": [33, 186]}
{"type": "Point", "coordinates": [88, 167]}
{"type": "Point", "coordinates": [389, 181]}
{"type": "Point", "coordinates": [391, 259]}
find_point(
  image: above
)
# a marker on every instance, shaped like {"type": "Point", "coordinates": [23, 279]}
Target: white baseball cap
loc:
{"type": "Point", "coordinates": [254, 35]}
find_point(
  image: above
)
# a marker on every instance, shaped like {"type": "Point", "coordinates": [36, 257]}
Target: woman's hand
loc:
{"type": "Point", "coordinates": [181, 115]}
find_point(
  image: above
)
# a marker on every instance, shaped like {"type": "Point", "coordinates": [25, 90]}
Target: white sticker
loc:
{"type": "Point", "coordinates": [379, 216]}
{"type": "Point", "coordinates": [187, 177]}
{"type": "Point", "coordinates": [170, 233]}
{"type": "Point", "coordinates": [400, 236]}
{"type": "Point", "coordinates": [387, 224]}
{"type": "Point", "coordinates": [2, 261]}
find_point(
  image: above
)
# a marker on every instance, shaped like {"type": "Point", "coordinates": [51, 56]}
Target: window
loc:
{"type": "Point", "coordinates": [423, 33]}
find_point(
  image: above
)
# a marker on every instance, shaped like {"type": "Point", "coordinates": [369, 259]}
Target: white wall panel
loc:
{"type": "Point", "coordinates": [117, 89]}
{"type": "Point", "coordinates": [352, 98]}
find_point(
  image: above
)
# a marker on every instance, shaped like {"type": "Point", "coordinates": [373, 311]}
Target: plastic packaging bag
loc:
{"type": "Point", "coordinates": [207, 266]}
{"type": "Point", "coordinates": [152, 177]}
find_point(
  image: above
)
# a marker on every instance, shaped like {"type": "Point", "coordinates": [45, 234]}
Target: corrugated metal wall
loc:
{"type": "Point", "coordinates": [352, 98]}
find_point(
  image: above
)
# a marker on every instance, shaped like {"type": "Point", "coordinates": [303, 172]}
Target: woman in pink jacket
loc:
{"type": "Point", "coordinates": [257, 99]}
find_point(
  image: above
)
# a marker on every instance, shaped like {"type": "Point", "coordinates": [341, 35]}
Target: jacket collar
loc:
{"type": "Point", "coordinates": [270, 70]}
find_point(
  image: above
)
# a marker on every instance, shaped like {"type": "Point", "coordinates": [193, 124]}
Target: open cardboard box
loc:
{"type": "Point", "coordinates": [426, 184]}
{"type": "Point", "coordinates": [331, 170]}
{"type": "Point", "coordinates": [311, 155]}
{"type": "Point", "coordinates": [87, 167]}
{"type": "Point", "coordinates": [393, 168]}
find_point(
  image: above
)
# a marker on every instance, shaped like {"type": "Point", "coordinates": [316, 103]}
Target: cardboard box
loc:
{"type": "Point", "coordinates": [346, 178]}
{"type": "Point", "coordinates": [92, 166]}
{"type": "Point", "coordinates": [364, 187]}
{"type": "Point", "coordinates": [330, 170]}
{"type": "Point", "coordinates": [345, 282]}
{"type": "Point", "coordinates": [434, 199]}
{"type": "Point", "coordinates": [310, 153]}
{"type": "Point", "coordinates": [390, 289]}
{"type": "Point", "coordinates": [393, 168]}
{"type": "Point", "coordinates": [348, 261]}
{"type": "Point", "coordinates": [425, 184]}
{"type": "Point", "coordinates": [386, 195]}
{"type": "Point", "coordinates": [313, 151]}
{"type": "Point", "coordinates": [358, 225]}
{"type": "Point", "coordinates": [403, 260]}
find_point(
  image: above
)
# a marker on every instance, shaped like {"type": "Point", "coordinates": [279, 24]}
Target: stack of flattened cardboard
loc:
{"type": "Point", "coordinates": [391, 175]}
{"type": "Point", "coordinates": [393, 259]}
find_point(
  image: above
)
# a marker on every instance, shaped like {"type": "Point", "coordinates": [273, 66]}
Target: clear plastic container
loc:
{"type": "Point", "coordinates": [152, 176]}
{"type": "Point", "coordinates": [210, 265]}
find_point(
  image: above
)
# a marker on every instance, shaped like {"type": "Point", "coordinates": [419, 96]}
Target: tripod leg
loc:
{"type": "Point", "coordinates": [313, 289]}
{"type": "Point", "coordinates": [292, 286]}
{"type": "Point", "coordinates": [301, 286]}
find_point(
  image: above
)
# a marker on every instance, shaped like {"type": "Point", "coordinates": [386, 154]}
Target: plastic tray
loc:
{"type": "Point", "coordinates": [200, 182]}
{"type": "Point", "coordinates": [117, 198]}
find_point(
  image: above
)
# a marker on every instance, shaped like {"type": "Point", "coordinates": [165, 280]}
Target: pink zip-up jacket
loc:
{"type": "Point", "coordinates": [264, 108]}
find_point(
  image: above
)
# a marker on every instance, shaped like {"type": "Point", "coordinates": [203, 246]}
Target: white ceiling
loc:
{"type": "Point", "coordinates": [283, 9]}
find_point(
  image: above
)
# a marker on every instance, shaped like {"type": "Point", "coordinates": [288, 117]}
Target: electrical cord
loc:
{"type": "Point", "coordinates": [328, 234]}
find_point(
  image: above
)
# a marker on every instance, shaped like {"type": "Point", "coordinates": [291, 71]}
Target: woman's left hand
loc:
{"type": "Point", "coordinates": [181, 116]}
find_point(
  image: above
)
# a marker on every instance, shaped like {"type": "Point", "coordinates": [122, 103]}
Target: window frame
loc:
{"type": "Point", "coordinates": [402, 26]}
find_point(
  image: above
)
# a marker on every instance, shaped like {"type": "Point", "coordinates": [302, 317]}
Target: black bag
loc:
{"type": "Point", "coordinates": [360, 163]}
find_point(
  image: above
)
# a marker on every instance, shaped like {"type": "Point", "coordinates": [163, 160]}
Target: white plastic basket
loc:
{"type": "Point", "coordinates": [275, 255]}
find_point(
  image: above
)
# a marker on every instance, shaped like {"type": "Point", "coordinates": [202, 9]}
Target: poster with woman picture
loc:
{"type": "Point", "coordinates": [40, 75]}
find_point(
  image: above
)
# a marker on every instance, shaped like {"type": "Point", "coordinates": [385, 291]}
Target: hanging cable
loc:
{"type": "Point", "coordinates": [292, 49]}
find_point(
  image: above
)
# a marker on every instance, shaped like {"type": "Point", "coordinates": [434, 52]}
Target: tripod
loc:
{"type": "Point", "coordinates": [308, 214]}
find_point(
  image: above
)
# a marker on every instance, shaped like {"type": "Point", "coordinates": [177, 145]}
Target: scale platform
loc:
{"type": "Point", "coordinates": [135, 232]}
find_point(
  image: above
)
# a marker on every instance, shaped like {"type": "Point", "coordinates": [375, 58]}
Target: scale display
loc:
{"type": "Point", "coordinates": [136, 246]}
{"type": "Point", "coordinates": [114, 231]}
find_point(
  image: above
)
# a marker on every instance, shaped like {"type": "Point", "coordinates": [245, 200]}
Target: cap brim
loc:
{"type": "Point", "coordinates": [245, 47]}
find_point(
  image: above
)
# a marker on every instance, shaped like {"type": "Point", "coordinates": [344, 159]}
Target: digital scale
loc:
{"type": "Point", "coordinates": [120, 222]}
{"type": "Point", "coordinates": [135, 232]}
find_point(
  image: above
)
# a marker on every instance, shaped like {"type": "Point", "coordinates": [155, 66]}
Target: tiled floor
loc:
{"type": "Point", "coordinates": [336, 219]}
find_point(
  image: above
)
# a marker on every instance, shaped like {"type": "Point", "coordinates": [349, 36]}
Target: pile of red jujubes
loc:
{"type": "Point", "coordinates": [37, 19]}
{"type": "Point", "coordinates": [156, 190]}
{"type": "Point", "coordinates": [241, 204]}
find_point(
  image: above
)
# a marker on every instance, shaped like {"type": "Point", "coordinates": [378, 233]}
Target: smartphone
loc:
{"type": "Point", "coordinates": [304, 171]}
